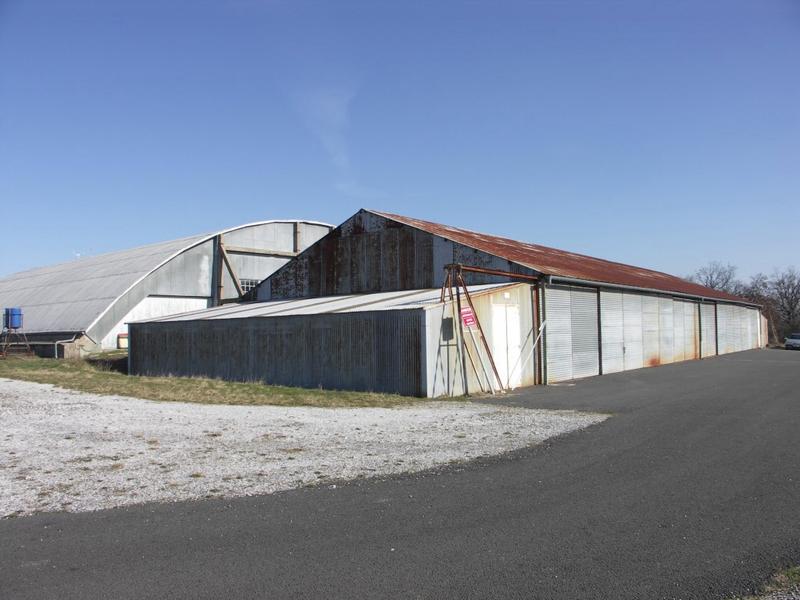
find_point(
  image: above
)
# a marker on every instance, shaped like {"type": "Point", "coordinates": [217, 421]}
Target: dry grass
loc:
{"type": "Point", "coordinates": [784, 584]}
{"type": "Point", "coordinates": [97, 377]}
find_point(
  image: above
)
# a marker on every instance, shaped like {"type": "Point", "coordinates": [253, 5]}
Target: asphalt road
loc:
{"type": "Point", "coordinates": [692, 490]}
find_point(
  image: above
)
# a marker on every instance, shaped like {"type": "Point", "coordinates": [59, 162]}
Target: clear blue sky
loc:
{"type": "Point", "coordinates": [659, 133]}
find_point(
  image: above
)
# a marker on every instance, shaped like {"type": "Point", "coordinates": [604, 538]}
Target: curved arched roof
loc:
{"type": "Point", "coordinates": [69, 297]}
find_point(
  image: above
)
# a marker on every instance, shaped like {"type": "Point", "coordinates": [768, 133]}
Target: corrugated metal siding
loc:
{"type": "Point", "coordinates": [686, 330]}
{"type": "Point", "coordinates": [679, 333]}
{"type": "Point", "coordinates": [754, 327]}
{"type": "Point", "coordinates": [632, 319]}
{"type": "Point", "coordinates": [739, 328]}
{"type": "Point", "coordinates": [654, 330]}
{"type": "Point", "coordinates": [552, 261]}
{"type": "Point", "coordinates": [585, 349]}
{"type": "Point", "coordinates": [666, 330]}
{"type": "Point", "coordinates": [709, 327]}
{"type": "Point", "coordinates": [651, 355]}
{"type": "Point", "coordinates": [380, 351]}
{"type": "Point", "coordinates": [558, 335]}
{"type": "Point", "coordinates": [691, 330]}
{"type": "Point", "coordinates": [571, 334]}
{"type": "Point", "coordinates": [370, 253]}
{"type": "Point", "coordinates": [612, 331]}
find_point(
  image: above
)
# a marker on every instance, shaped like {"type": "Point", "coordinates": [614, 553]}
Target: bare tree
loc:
{"type": "Point", "coordinates": [785, 292]}
{"type": "Point", "coordinates": [717, 276]}
{"type": "Point", "coordinates": [759, 290]}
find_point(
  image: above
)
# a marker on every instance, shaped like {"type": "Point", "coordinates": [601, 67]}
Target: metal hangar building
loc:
{"type": "Point", "coordinates": [393, 304]}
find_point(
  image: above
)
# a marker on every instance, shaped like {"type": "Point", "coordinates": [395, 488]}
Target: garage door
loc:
{"type": "Point", "coordinates": [709, 329]}
{"type": "Point", "coordinates": [613, 335]}
{"type": "Point", "coordinates": [571, 337]}
{"type": "Point", "coordinates": [686, 329]}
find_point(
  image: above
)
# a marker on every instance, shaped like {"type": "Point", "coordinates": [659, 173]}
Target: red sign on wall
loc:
{"type": "Point", "coordinates": [468, 317]}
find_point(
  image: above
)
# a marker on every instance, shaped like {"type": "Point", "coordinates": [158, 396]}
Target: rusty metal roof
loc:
{"type": "Point", "coordinates": [560, 263]}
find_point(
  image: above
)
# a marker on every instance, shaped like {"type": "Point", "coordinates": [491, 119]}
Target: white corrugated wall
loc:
{"type": "Point", "coordinates": [612, 329]}
{"type": "Point", "coordinates": [738, 328]}
{"type": "Point", "coordinates": [571, 336]}
{"type": "Point", "coordinates": [666, 327]}
{"type": "Point", "coordinates": [639, 330]}
{"type": "Point", "coordinates": [709, 329]}
{"type": "Point", "coordinates": [632, 322]}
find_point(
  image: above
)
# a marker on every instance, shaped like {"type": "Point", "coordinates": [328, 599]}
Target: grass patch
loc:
{"type": "Point", "coordinates": [100, 377]}
{"type": "Point", "coordinates": [782, 583]}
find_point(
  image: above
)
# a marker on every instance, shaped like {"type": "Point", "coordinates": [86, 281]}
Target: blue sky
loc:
{"type": "Point", "coordinates": [663, 134]}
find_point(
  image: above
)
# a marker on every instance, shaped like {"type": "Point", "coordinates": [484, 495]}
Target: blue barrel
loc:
{"type": "Point", "coordinates": [12, 318]}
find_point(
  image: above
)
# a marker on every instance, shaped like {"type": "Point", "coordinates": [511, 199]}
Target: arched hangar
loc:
{"type": "Point", "coordinates": [84, 305]}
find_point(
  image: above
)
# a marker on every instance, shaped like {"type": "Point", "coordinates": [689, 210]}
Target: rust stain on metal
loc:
{"type": "Point", "coordinates": [562, 263]}
{"type": "Point", "coordinates": [654, 362]}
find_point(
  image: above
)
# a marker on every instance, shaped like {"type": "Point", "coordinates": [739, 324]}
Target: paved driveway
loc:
{"type": "Point", "coordinates": [691, 491]}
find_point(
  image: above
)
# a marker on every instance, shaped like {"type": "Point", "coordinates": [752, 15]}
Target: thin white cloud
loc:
{"type": "Point", "coordinates": [356, 191]}
{"type": "Point", "coordinates": [326, 112]}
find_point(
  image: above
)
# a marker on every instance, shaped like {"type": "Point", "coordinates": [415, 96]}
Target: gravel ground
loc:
{"type": "Point", "coordinates": [65, 450]}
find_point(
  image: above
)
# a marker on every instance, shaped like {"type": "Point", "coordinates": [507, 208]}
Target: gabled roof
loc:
{"type": "Point", "coordinates": [560, 263]}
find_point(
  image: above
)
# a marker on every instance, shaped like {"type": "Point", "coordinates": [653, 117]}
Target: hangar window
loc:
{"type": "Point", "coordinates": [248, 284]}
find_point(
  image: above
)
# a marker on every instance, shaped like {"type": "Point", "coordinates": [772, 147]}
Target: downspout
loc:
{"type": "Point", "coordinates": [56, 343]}
{"type": "Point", "coordinates": [700, 330]}
{"type": "Point", "coordinates": [543, 300]}
{"type": "Point", "coordinates": [599, 336]}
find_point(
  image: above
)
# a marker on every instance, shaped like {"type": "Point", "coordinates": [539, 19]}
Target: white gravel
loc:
{"type": "Point", "coordinates": [65, 450]}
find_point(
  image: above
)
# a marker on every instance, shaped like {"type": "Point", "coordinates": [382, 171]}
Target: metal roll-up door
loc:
{"type": "Point", "coordinates": [691, 331]}
{"type": "Point", "coordinates": [730, 323]}
{"type": "Point", "coordinates": [709, 330]}
{"type": "Point", "coordinates": [558, 334]}
{"type": "Point", "coordinates": [632, 327]}
{"type": "Point", "coordinates": [571, 336]}
{"type": "Point", "coordinates": [722, 328]}
{"type": "Point", "coordinates": [651, 355]}
{"type": "Point", "coordinates": [735, 332]}
{"type": "Point", "coordinates": [755, 338]}
{"type": "Point", "coordinates": [678, 331]}
{"type": "Point", "coordinates": [611, 331]}
{"type": "Point", "coordinates": [585, 353]}
{"type": "Point", "coordinates": [666, 330]}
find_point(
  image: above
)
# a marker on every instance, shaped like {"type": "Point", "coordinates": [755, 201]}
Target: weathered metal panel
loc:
{"type": "Point", "coordinates": [506, 317]}
{"type": "Point", "coordinates": [612, 331]}
{"type": "Point", "coordinates": [380, 351]}
{"type": "Point", "coordinates": [558, 334]}
{"type": "Point", "coordinates": [679, 332]}
{"type": "Point", "coordinates": [633, 331]}
{"type": "Point", "coordinates": [709, 330]}
{"type": "Point", "coordinates": [651, 354]}
{"type": "Point", "coordinates": [728, 325]}
{"type": "Point", "coordinates": [585, 342]}
{"type": "Point", "coordinates": [691, 330]}
{"type": "Point", "coordinates": [369, 253]}
{"type": "Point", "coordinates": [754, 340]}
{"type": "Point", "coordinates": [561, 263]}
{"type": "Point", "coordinates": [571, 334]}
{"type": "Point", "coordinates": [149, 308]}
{"type": "Point", "coordinates": [666, 330]}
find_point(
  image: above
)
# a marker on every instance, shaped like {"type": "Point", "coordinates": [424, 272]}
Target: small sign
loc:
{"type": "Point", "coordinates": [468, 317]}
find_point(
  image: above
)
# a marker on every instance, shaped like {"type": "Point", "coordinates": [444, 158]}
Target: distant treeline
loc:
{"type": "Point", "coordinates": [778, 293]}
